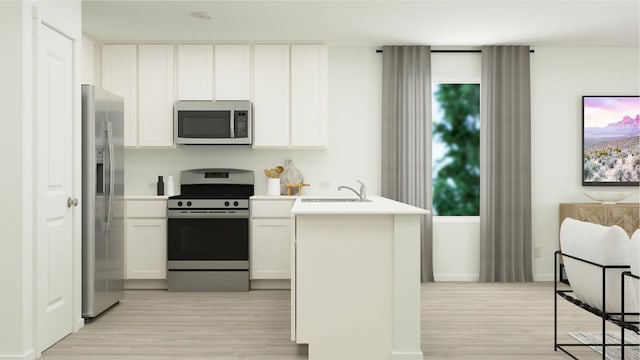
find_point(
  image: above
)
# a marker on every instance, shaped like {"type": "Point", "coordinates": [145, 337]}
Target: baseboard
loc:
{"type": "Point", "coordinates": [402, 355]}
{"type": "Point", "coordinates": [28, 355]}
{"type": "Point", "coordinates": [457, 277]}
{"type": "Point", "coordinates": [145, 284]}
{"type": "Point", "coordinates": [476, 277]}
{"type": "Point", "coordinates": [79, 324]}
{"type": "Point", "coordinates": [543, 277]}
{"type": "Point", "coordinates": [271, 284]}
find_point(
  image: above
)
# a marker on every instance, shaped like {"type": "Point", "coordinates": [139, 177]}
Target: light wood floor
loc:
{"type": "Point", "coordinates": [459, 321]}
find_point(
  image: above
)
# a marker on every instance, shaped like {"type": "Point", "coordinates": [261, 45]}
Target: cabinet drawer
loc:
{"type": "Point", "coordinates": [271, 208]}
{"type": "Point", "coordinates": [146, 209]}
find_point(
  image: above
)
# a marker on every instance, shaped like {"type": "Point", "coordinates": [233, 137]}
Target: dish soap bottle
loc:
{"type": "Point", "coordinates": [160, 185]}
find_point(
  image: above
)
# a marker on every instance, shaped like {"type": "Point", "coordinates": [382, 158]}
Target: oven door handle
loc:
{"type": "Point", "coordinates": [178, 214]}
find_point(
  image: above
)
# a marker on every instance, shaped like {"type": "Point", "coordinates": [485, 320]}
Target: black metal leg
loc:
{"type": "Point", "coordinates": [604, 309]}
{"type": "Point", "coordinates": [555, 302]}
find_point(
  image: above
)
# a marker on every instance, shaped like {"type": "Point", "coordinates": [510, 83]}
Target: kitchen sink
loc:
{"type": "Point", "coordinates": [322, 200]}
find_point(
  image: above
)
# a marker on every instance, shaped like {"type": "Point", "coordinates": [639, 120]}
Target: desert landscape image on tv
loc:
{"type": "Point", "coordinates": [611, 140]}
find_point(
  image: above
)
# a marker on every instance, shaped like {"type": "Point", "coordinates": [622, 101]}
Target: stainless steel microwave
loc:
{"type": "Point", "coordinates": [212, 122]}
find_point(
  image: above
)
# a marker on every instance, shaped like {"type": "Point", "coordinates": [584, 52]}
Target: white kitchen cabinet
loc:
{"type": "Point", "coordinates": [146, 239]}
{"type": "Point", "coordinates": [309, 93]}
{"type": "Point", "coordinates": [290, 96]}
{"type": "Point", "coordinates": [270, 249]}
{"type": "Point", "coordinates": [155, 95]}
{"type": "Point", "coordinates": [271, 240]}
{"type": "Point", "coordinates": [195, 72]}
{"type": "Point", "coordinates": [232, 72]}
{"type": "Point", "coordinates": [120, 76]}
{"type": "Point", "coordinates": [271, 96]}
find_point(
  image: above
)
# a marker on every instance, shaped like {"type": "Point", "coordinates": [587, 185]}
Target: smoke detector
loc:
{"type": "Point", "coordinates": [200, 15]}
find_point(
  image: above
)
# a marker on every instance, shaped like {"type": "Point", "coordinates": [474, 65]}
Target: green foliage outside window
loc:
{"type": "Point", "coordinates": [456, 174]}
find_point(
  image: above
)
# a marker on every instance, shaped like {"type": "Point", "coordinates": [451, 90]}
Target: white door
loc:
{"type": "Point", "coordinates": [54, 219]}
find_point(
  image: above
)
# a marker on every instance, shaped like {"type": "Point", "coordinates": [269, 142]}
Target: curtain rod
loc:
{"type": "Point", "coordinates": [454, 51]}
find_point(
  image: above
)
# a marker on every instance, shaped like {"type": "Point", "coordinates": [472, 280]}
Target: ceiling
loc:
{"type": "Point", "coordinates": [370, 23]}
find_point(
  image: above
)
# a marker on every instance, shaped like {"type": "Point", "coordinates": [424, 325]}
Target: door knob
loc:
{"type": "Point", "coordinates": [72, 202]}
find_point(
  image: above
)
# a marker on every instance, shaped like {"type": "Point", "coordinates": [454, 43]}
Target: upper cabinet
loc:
{"type": "Point", "coordinates": [232, 72]}
{"type": "Point", "coordinates": [195, 72]}
{"type": "Point", "coordinates": [286, 83]}
{"type": "Point", "coordinates": [120, 76]}
{"type": "Point", "coordinates": [143, 75]}
{"type": "Point", "coordinates": [290, 96]}
{"type": "Point", "coordinates": [271, 96]}
{"type": "Point", "coordinates": [309, 92]}
{"type": "Point", "coordinates": [155, 95]}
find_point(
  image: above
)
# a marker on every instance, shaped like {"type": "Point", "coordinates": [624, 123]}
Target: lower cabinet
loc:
{"type": "Point", "coordinates": [271, 238]}
{"type": "Point", "coordinates": [146, 239]}
{"type": "Point", "coordinates": [270, 249]}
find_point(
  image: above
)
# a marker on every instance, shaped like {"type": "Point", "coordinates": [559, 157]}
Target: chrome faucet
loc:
{"type": "Point", "coordinates": [363, 190]}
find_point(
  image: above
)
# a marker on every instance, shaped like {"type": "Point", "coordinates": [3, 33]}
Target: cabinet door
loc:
{"type": "Point", "coordinates": [271, 95]}
{"type": "Point", "coordinates": [309, 83]}
{"type": "Point", "coordinates": [195, 72]}
{"type": "Point", "coordinates": [146, 248]}
{"type": "Point", "coordinates": [232, 72]}
{"type": "Point", "coordinates": [119, 75]}
{"type": "Point", "coordinates": [156, 95]}
{"type": "Point", "coordinates": [270, 249]}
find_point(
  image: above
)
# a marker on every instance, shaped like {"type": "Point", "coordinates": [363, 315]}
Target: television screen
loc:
{"type": "Point", "coordinates": [611, 140]}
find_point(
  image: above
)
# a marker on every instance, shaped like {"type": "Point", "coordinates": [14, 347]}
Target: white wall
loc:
{"type": "Point", "coordinates": [456, 248]}
{"type": "Point", "coordinates": [559, 78]}
{"type": "Point", "coordinates": [11, 252]}
{"type": "Point", "coordinates": [354, 138]}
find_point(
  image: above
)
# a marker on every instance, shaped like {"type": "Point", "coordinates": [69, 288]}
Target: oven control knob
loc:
{"type": "Point", "coordinates": [179, 203]}
{"type": "Point", "coordinates": [226, 203]}
{"type": "Point", "coordinates": [235, 203]}
{"type": "Point", "coordinates": [188, 203]}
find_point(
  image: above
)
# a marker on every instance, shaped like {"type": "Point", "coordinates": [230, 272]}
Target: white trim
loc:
{"type": "Point", "coordinates": [28, 355]}
{"type": "Point", "coordinates": [271, 284]}
{"type": "Point", "coordinates": [457, 277]}
{"type": "Point", "coordinates": [543, 277]}
{"type": "Point", "coordinates": [407, 355]}
{"type": "Point", "coordinates": [145, 284]}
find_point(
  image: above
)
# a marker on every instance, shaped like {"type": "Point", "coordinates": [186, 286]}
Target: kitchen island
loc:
{"type": "Point", "coordinates": [355, 287]}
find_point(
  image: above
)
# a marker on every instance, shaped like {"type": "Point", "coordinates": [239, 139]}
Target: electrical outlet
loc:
{"type": "Point", "coordinates": [537, 251]}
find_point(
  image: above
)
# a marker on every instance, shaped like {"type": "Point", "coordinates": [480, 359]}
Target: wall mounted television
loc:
{"type": "Point", "coordinates": [611, 140]}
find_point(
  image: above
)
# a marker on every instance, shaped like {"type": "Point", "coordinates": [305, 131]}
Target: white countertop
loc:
{"type": "Point", "coordinates": [146, 197]}
{"type": "Point", "coordinates": [377, 206]}
{"type": "Point", "coordinates": [275, 197]}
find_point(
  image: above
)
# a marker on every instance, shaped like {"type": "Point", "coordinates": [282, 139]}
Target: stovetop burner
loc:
{"type": "Point", "coordinates": [222, 184]}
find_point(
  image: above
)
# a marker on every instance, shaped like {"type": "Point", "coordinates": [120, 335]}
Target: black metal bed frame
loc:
{"type": "Point", "coordinates": [615, 318]}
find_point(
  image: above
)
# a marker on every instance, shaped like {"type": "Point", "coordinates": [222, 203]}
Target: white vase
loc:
{"type": "Point", "coordinates": [273, 187]}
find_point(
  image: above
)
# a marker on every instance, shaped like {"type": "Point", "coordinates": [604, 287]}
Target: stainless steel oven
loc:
{"type": "Point", "coordinates": [208, 231]}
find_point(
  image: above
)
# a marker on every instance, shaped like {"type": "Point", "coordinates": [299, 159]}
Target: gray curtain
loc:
{"type": "Point", "coordinates": [505, 165]}
{"type": "Point", "coordinates": [406, 135]}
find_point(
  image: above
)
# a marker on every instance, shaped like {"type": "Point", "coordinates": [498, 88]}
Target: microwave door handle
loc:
{"type": "Point", "coordinates": [232, 124]}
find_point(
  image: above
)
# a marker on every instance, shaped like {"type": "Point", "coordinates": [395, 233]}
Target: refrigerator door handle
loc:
{"type": "Point", "coordinates": [111, 174]}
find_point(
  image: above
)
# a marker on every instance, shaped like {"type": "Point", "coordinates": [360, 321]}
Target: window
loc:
{"type": "Point", "coordinates": [456, 149]}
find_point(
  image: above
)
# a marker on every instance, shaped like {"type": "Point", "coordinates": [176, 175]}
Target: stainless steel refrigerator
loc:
{"type": "Point", "coordinates": [103, 200]}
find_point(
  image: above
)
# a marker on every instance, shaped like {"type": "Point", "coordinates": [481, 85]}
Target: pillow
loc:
{"type": "Point", "coordinates": [634, 252]}
{"type": "Point", "coordinates": [604, 245]}
{"type": "Point", "coordinates": [633, 287]}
